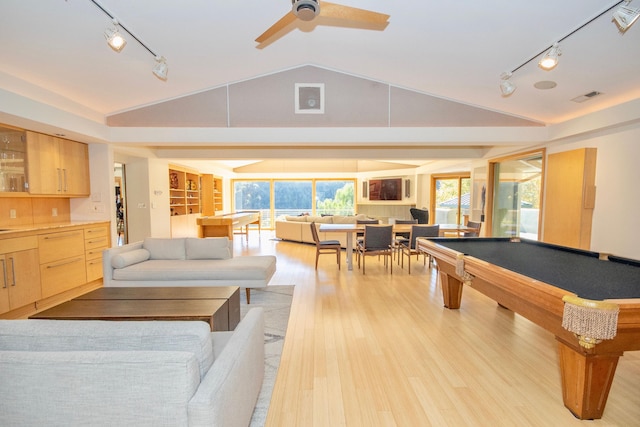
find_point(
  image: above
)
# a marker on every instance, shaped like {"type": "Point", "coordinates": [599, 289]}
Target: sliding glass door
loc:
{"type": "Point", "coordinates": [450, 199]}
{"type": "Point", "coordinates": [517, 184]}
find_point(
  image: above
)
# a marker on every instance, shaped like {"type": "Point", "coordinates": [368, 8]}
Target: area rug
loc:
{"type": "Point", "coordinates": [276, 301]}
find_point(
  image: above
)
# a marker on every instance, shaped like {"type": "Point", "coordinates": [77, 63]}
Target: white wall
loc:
{"type": "Point", "coordinates": [98, 205]}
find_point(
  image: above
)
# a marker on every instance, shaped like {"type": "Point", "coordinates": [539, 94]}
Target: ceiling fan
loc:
{"type": "Point", "coordinates": [308, 10]}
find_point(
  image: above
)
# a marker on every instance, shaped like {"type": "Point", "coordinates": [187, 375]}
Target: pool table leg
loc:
{"type": "Point", "coordinates": [451, 290]}
{"type": "Point", "coordinates": [586, 380]}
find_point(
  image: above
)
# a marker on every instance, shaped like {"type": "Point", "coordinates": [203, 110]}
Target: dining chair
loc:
{"type": "Point", "coordinates": [410, 247]}
{"type": "Point", "coordinates": [325, 246]}
{"type": "Point", "coordinates": [475, 225]}
{"type": "Point", "coordinates": [401, 237]}
{"type": "Point", "coordinates": [378, 240]}
{"type": "Point", "coordinates": [359, 235]}
{"type": "Point", "coordinates": [422, 215]}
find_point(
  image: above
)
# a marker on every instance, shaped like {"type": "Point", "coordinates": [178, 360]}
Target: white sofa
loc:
{"type": "Point", "coordinates": [185, 261]}
{"type": "Point", "coordinates": [296, 228]}
{"type": "Point", "coordinates": [130, 373]}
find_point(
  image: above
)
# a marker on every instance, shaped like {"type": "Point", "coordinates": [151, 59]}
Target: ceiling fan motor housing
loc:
{"type": "Point", "coordinates": [305, 10]}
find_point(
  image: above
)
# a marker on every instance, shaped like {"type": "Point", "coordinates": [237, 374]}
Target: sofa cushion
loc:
{"type": "Point", "coordinates": [321, 219]}
{"type": "Point", "coordinates": [207, 248]}
{"type": "Point", "coordinates": [301, 218]}
{"type": "Point", "coordinates": [97, 335]}
{"type": "Point", "coordinates": [258, 267]}
{"type": "Point", "coordinates": [165, 248]}
{"type": "Point", "coordinates": [127, 258]}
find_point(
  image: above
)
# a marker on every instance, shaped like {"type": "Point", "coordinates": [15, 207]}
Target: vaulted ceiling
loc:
{"type": "Point", "coordinates": [427, 80]}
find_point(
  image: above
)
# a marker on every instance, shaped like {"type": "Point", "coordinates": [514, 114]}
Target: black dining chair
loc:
{"type": "Point", "coordinates": [410, 247]}
{"type": "Point", "coordinates": [422, 215]}
{"type": "Point", "coordinates": [378, 240]}
{"type": "Point", "coordinates": [401, 237]}
{"type": "Point", "coordinates": [359, 235]}
{"type": "Point", "coordinates": [325, 246]}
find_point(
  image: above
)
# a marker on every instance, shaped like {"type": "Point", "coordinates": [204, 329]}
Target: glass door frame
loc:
{"type": "Point", "coordinates": [491, 178]}
{"type": "Point", "coordinates": [447, 176]}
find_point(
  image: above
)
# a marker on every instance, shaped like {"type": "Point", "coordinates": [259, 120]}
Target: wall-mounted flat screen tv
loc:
{"type": "Point", "coordinates": [385, 189]}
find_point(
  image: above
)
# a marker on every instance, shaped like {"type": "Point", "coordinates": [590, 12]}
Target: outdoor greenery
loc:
{"type": "Point", "coordinates": [335, 197]}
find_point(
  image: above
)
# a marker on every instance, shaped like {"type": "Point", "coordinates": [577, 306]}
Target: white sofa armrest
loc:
{"type": "Point", "coordinates": [228, 394]}
{"type": "Point", "coordinates": [108, 254]}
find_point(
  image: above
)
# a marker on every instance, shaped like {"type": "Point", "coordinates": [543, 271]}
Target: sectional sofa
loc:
{"type": "Point", "coordinates": [186, 261]}
{"type": "Point", "coordinates": [296, 228]}
{"type": "Point", "coordinates": [130, 373]}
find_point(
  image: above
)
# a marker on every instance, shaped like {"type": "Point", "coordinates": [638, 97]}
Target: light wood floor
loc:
{"type": "Point", "coordinates": [381, 350]}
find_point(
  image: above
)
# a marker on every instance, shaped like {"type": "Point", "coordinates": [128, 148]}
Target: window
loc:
{"type": "Point", "coordinates": [277, 197]}
{"type": "Point", "coordinates": [335, 197]}
{"type": "Point", "coordinates": [451, 196]}
{"type": "Point", "coordinates": [517, 184]}
{"type": "Point", "coordinates": [253, 196]}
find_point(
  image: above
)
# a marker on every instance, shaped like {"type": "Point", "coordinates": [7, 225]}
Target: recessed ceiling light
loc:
{"type": "Point", "coordinates": [545, 84]}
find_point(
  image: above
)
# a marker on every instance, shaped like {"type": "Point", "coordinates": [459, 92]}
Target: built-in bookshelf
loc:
{"type": "Point", "coordinates": [184, 191]}
{"type": "Point", "coordinates": [211, 194]}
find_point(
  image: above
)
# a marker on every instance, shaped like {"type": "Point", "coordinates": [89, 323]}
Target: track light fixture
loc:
{"type": "Point", "coordinates": [161, 69]}
{"type": "Point", "coordinates": [506, 87]}
{"type": "Point", "coordinates": [625, 17]}
{"type": "Point", "coordinates": [117, 42]}
{"type": "Point", "coordinates": [550, 59]}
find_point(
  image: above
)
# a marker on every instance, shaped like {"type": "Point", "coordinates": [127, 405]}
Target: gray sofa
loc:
{"type": "Point", "coordinates": [130, 373]}
{"type": "Point", "coordinates": [187, 261]}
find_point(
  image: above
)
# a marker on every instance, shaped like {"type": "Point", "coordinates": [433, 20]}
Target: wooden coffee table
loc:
{"type": "Point", "coordinates": [218, 306]}
{"type": "Point", "coordinates": [229, 293]}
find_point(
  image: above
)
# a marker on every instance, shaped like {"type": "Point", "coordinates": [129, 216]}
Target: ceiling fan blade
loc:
{"type": "Point", "coordinates": [337, 11]}
{"type": "Point", "coordinates": [275, 28]}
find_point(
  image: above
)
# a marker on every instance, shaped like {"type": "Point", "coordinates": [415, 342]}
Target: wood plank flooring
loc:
{"type": "Point", "coordinates": [381, 350]}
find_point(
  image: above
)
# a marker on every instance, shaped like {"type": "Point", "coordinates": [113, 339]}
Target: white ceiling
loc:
{"type": "Point", "coordinates": [54, 51]}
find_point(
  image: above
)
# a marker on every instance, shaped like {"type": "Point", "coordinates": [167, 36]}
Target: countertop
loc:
{"type": "Point", "coordinates": [19, 230]}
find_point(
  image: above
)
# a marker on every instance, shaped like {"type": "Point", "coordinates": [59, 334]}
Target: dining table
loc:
{"type": "Point", "coordinates": [352, 229]}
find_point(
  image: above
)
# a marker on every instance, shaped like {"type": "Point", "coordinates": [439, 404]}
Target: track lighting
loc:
{"type": "Point", "coordinates": [625, 17]}
{"type": "Point", "coordinates": [550, 59]}
{"type": "Point", "coordinates": [115, 40]}
{"type": "Point", "coordinates": [161, 68]}
{"type": "Point", "coordinates": [506, 87]}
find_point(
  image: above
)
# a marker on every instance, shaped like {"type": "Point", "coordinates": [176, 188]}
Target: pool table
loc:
{"type": "Point", "coordinates": [532, 278]}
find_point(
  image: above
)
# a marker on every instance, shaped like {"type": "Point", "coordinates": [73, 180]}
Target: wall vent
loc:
{"type": "Point", "coordinates": [586, 96]}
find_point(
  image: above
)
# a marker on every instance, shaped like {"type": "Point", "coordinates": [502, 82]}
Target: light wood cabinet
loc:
{"type": "Point", "coordinates": [62, 261]}
{"type": "Point", "coordinates": [570, 198]}
{"type": "Point", "coordinates": [96, 240]}
{"type": "Point", "coordinates": [211, 194]}
{"type": "Point", "coordinates": [19, 273]}
{"type": "Point", "coordinates": [57, 166]}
